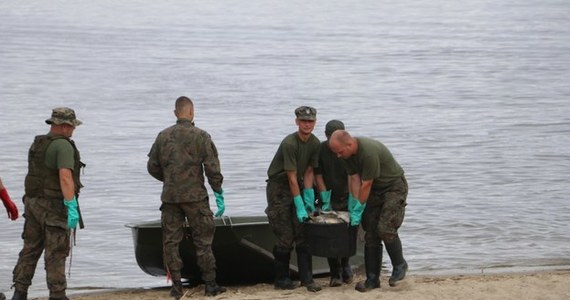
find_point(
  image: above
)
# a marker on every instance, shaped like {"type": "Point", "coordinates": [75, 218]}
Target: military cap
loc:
{"type": "Point", "coordinates": [333, 125]}
{"type": "Point", "coordinates": [306, 113]}
{"type": "Point", "coordinates": [63, 115]}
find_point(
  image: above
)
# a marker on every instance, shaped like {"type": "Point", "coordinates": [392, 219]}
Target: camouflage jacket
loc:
{"type": "Point", "coordinates": [179, 157]}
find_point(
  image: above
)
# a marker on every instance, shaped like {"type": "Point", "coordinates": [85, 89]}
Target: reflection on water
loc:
{"type": "Point", "coordinates": [471, 98]}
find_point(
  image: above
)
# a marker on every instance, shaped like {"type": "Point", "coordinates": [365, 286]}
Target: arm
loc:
{"type": "Point", "coordinates": [321, 186]}
{"type": "Point", "coordinates": [309, 178]}
{"type": "Point", "coordinates": [293, 184]}
{"type": "Point", "coordinates": [365, 191]}
{"type": "Point", "coordinates": [153, 164]}
{"type": "Point", "coordinates": [354, 184]}
{"type": "Point", "coordinates": [66, 183]}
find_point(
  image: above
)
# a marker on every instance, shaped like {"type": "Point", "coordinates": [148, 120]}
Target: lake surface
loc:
{"type": "Point", "coordinates": [471, 97]}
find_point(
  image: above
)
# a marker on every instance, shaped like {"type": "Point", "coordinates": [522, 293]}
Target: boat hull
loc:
{"type": "Point", "coordinates": [242, 247]}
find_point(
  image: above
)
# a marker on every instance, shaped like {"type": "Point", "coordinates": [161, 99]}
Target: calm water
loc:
{"type": "Point", "coordinates": [470, 96]}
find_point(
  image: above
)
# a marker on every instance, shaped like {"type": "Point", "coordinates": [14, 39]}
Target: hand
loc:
{"type": "Point", "coordinates": [220, 203]}
{"type": "Point", "coordinates": [300, 209]}
{"type": "Point", "coordinates": [309, 199]}
{"type": "Point", "coordinates": [355, 209]}
{"type": "Point", "coordinates": [11, 208]}
{"type": "Point", "coordinates": [72, 213]}
{"type": "Point", "coordinates": [326, 199]}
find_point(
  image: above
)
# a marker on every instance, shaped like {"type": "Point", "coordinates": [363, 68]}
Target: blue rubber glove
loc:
{"type": "Point", "coordinates": [309, 198]}
{"type": "Point", "coordinates": [220, 203]}
{"type": "Point", "coordinates": [72, 213]}
{"type": "Point", "coordinates": [355, 210]}
{"type": "Point", "coordinates": [300, 209]}
{"type": "Point", "coordinates": [326, 199]}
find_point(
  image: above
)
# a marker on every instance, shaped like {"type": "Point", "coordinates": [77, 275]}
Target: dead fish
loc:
{"type": "Point", "coordinates": [329, 217]}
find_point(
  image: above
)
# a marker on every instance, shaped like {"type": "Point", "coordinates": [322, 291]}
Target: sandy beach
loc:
{"type": "Point", "coordinates": [535, 285]}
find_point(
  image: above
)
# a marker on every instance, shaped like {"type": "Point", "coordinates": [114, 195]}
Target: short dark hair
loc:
{"type": "Point", "coordinates": [182, 102]}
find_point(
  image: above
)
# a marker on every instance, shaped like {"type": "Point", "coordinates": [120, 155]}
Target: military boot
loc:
{"type": "Point", "coordinates": [212, 289]}
{"type": "Point", "coordinates": [305, 264]}
{"type": "Point", "coordinates": [20, 295]}
{"type": "Point", "coordinates": [372, 262]}
{"type": "Point", "coordinates": [336, 272]}
{"type": "Point", "coordinates": [347, 275]}
{"type": "Point", "coordinates": [282, 277]}
{"type": "Point", "coordinates": [2, 296]}
{"type": "Point", "coordinates": [177, 291]}
{"type": "Point", "coordinates": [399, 264]}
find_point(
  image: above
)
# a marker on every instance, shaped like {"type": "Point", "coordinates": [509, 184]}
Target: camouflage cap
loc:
{"type": "Point", "coordinates": [63, 115]}
{"type": "Point", "coordinates": [306, 113]}
{"type": "Point", "coordinates": [333, 125]}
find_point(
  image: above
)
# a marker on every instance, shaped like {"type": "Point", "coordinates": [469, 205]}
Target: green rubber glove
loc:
{"type": "Point", "coordinates": [220, 203]}
{"type": "Point", "coordinates": [355, 210]}
{"type": "Point", "coordinates": [326, 199]}
{"type": "Point", "coordinates": [300, 209]}
{"type": "Point", "coordinates": [72, 213]}
{"type": "Point", "coordinates": [309, 198]}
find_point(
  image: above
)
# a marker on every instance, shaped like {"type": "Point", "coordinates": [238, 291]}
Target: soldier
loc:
{"type": "Point", "coordinates": [292, 167]}
{"type": "Point", "coordinates": [11, 208]}
{"type": "Point", "coordinates": [50, 204]}
{"type": "Point", "coordinates": [379, 197]}
{"type": "Point", "coordinates": [332, 183]}
{"type": "Point", "coordinates": [179, 157]}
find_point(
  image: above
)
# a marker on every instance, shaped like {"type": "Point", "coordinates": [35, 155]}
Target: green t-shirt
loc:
{"type": "Point", "coordinates": [295, 155]}
{"type": "Point", "coordinates": [374, 161]}
{"type": "Point", "coordinates": [331, 167]}
{"type": "Point", "coordinates": [59, 155]}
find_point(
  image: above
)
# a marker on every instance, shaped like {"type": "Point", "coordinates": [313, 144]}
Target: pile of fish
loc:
{"type": "Point", "coordinates": [329, 217]}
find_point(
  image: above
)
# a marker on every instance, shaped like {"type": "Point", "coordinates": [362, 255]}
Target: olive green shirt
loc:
{"type": "Point", "coordinates": [295, 155]}
{"type": "Point", "coordinates": [331, 167]}
{"type": "Point", "coordinates": [60, 155]}
{"type": "Point", "coordinates": [374, 161]}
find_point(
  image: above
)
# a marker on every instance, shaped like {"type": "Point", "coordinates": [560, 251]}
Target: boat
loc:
{"type": "Point", "coordinates": [242, 246]}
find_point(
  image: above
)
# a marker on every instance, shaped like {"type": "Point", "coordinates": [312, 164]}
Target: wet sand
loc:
{"type": "Point", "coordinates": [535, 285]}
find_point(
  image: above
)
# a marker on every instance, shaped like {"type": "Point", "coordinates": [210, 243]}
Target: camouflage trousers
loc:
{"type": "Point", "coordinates": [201, 224]}
{"type": "Point", "coordinates": [282, 216]}
{"type": "Point", "coordinates": [45, 228]}
{"type": "Point", "coordinates": [384, 213]}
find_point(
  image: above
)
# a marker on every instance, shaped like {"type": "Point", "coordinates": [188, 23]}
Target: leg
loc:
{"type": "Point", "coordinates": [279, 214]}
{"type": "Point", "coordinates": [57, 250]}
{"type": "Point", "coordinates": [305, 264]}
{"type": "Point", "coordinates": [391, 219]}
{"type": "Point", "coordinates": [31, 252]}
{"type": "Point", "coordinates": [373, 245]}
{"type": "Point", "coordinates": [336, 271]}
{"type": "Point", "coordinates": [347, 275]}
{"type": "Point", "coordinates": [201, 221]}
{"type": "Point", "coordinates": [172, 219]}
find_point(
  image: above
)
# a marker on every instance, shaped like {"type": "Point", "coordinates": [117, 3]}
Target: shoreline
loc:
{"type": "Point", "coordinates": [545, 284]}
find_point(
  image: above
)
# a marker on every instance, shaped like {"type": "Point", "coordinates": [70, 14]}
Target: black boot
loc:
{"type": "Point", "coordinates": [336, 275]}
{"type": "Point", "coordinates": [212, 289]}
{"type": "Point", "coordinates": [2, 296]}
{"type": "Point", "coordinates": [399, 264]}
{"type": "Point", "coordinates": [176, 291]}
{"type": "Point", "coordinates": [20, 295]}
{"type": "Point", "coordinates": [305, 264]}
{"type": "Point", "coordinates": [282, 278]}
{"type": "Point", "coordinates": [372, 262]}
{"type": "Point", "coordinates": [347, 275]}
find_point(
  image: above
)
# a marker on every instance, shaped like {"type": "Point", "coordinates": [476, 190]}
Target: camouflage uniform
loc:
{"type": "Point", "coordinates": [335, 178]}
{"type": "Point", "coordinates": [179, 157]}
{"type": "Point", "coordinates": [45, 227]}
{"type": "Point", "coordinates": [296, 155]}
{"type": "Point", "coordinates": [384, 212]}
